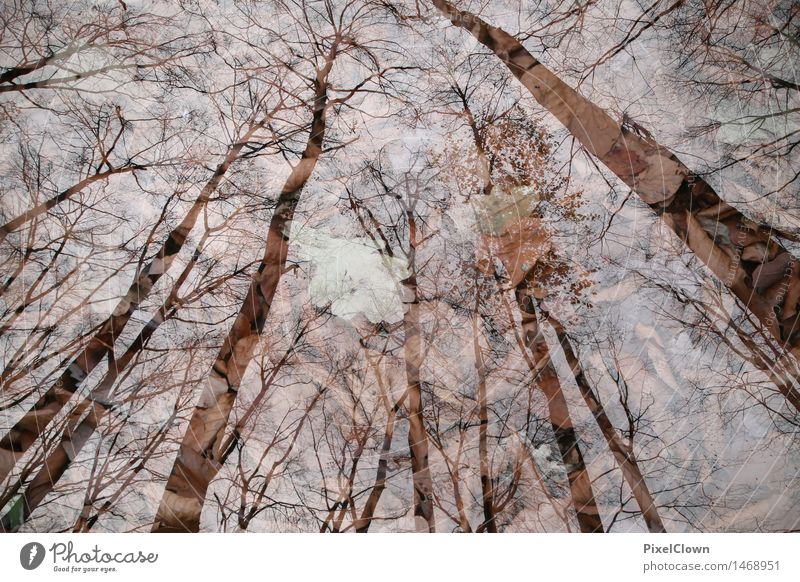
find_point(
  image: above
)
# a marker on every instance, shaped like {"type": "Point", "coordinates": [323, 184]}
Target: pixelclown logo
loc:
{"type": "Point", "coordinates": [31, 555]}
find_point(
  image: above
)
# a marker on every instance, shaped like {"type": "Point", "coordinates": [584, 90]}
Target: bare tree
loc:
{"type": "Point", "coordinates": [321, 265]}
{"type": "Point", "coordinates": [683, 199]}
{"type": "Point", "coordinates": [336, 32]}
{"type": "Point", "coordinates": [78, 47]}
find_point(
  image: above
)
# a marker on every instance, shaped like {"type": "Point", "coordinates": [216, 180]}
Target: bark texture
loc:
{"type": "Point", "coordinates": [417, 434]}
{"type": "Point", "coordinates": [362, 524]}
{"type": "Point", "coordinates": [623, 451]}
{"type": "Point", "coordinates": [81, 424]}
{"type": "Point", "coordinates": [744, 255]}
{"type": "Point", "coordinates": [487, 484]}
{"type": "Point", "coordinates": [579, 481]}
{"type": "Point", "coordinates": [200, 454]}
{"type": "Point", "coordinates": [25, 432]}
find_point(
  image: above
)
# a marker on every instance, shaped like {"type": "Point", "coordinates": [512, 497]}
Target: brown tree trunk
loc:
{"type": "Point", "coordinates": [25, 432]}
{"type": "Point", "coordinates": [545, 375]}
{"type": "Point", "coordinates": [417, 434]}
{"type": "Point", "coordinates": [198, 459]}
{"type": "Point", "coordinates": [362, 524]}
{"type": "Point", "coordinates": [622, 451]}
{"type": "Point", "coordinates": [79, 429]}
{"type": "Point", "coordinates": [742, 254]}
{"type": "Point", "coordinates": [487, 489]}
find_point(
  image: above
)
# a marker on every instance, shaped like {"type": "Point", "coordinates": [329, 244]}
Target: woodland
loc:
{"type": "Point", "coordinates": [399, 266]}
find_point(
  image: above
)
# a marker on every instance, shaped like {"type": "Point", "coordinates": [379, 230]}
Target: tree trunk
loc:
{"type": "Point", "coordinates": [487, 489]}
{"type": "Point", "coordinates": [199, 457]}
{"type": "Point", "coordinates": [417, 434]}
{"type": "Point", "coordinates": [742, 254]}
{"type": "Point", "coordinates": [622, 451]}
{"type": "Point", "coordinates": [577, 474]}
{"type": "Point", "coordinates": [25, 432]}
{"type": "Point", "coordinates": [79, 429]}
{"type": "Point", "coordinates": [361, 525]}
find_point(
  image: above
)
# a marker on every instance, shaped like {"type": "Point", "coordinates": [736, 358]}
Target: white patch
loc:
{"type": "Point", "coordinates": [352, 276]}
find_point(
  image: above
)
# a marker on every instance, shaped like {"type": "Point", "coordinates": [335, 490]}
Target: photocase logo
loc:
{"type": "Point", "coordinates": [31, 555]}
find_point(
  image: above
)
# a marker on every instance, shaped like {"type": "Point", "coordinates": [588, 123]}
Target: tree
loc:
{"type": "Point", "coordinates": [667, 186]}
{"type": "Point", "coordinates": [322, 265]}
{"type": "Point", "coordinates": [336, 39]}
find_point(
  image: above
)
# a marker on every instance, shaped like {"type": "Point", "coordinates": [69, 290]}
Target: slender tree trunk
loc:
{"type": "Point", "coordinates": [487, 489]}
{"type": "Point", "coordinates": [546, 377]}
{"type": "Point", "coordinates": [198, 459]}
{"type": "Point", "coordinates": [579, 481]}
{"type": "Point", "coordinates": [346, 503]}
{"type": "Point", "coordinates": [455, 479]}
{"type": "Point", "coordinates": [362, 524]}
{"type": "Point", "coordinates": [622, 451]}
{"type": "Point", "coordinates": [80, 428]}
{"type": "Point", "coordinates": [417, 434]}
{"type": "Point", "coordinates": [25, 432]}
{"type": "Point", "coordinates": [742, 254]}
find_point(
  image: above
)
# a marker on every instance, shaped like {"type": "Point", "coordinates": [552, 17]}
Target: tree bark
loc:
{"type": "Point", "coordinates": [579, 481]}
{"type": "Point", "coordinates": [362, 524]}
{"type": "Point", "coordinates": [25, 432]}
{"type": "Point", "coordinates": [742, 254]}
{"type": "Point", "coordinates": [199, 457]}
{"type": "Point", "coordinates": [622, 451]}
{"type": "Point", "coordinates": [417, 434]}
{"type": "Point", "coordinates": [487, 488]}
{"type": "Point", "coordinates": [80, 428]}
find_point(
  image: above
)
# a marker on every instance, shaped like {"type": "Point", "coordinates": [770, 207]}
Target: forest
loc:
{"type": "Point", "coordinates": [399, 266]}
